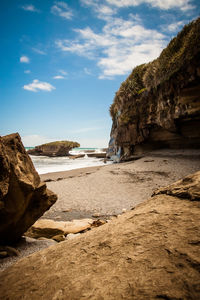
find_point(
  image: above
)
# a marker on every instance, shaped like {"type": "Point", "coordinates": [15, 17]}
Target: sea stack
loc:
{"type": "Point", "coordinates": [58, 148]}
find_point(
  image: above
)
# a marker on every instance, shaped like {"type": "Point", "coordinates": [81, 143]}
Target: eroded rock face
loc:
{"type": "Point", "coordinates": [59, 148]}
{"type": "Point", "coordinates": [23, 198]}
{"type": "Point", "coordinates": [151, 252]}
{"type": "Point", "coordinates": [158, 105]}
{"type": "Point", "coordinates": [188, 187]}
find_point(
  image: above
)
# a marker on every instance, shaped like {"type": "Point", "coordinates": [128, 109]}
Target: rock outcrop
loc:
{"type": "Point", "coordinates": [59, 148]}
{"type": "Point", "coordinates": [23, 198]}
{"type": "Point", "coordinates": [48, 228]}
{"type": "Point", "coordinates": [159, 103]}
{"type": "Point", "coordinates": [151, 252]}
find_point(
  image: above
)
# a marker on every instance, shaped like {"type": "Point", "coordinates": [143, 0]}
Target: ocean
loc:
{"type": "Point", "coordinates": [45, 164]}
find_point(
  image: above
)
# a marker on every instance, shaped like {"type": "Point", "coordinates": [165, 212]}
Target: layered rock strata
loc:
{"type": "Point", "coordinates": [151, 252]}
{"type": "Point", "coordinates": [158, 105]}
{"type": "Point", "coordinates": [59, 148]}
{"type": "Point", "coordinates": [23, 197]}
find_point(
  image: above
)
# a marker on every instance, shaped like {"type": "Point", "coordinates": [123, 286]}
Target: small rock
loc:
{"type": "Point", "coordinates": [58, 238]}
{"type": "Point", "coordinates": [3, 254]}
{"type": "Point", "coordinates": [9, 250]}
{"type": "Point", "coordinates": [98, 223]}
{"type": "Point", "coordinates": [123, 210]}
{"type": "Point", "coordinates": [96, 215]}
{"type": "Point", "coordinates": [71, 236]}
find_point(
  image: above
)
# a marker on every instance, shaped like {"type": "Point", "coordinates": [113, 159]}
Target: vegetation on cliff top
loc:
{"type": "Point", "coordinates": [68, 144]}
{"type": "Point", "coordinates": [181, 50]}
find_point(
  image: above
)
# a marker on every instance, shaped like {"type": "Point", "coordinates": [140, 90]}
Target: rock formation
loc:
{"type": "Point", "coordinates": [59, 148]}
{"type": "Point", "coordinates": [23, 198]}
{"type": "Point", "coordinates": [49, 228]}
{"type": "Point", "coordinates": [158, 104]}
{"type": "Point", "coordinates": [151, 252]}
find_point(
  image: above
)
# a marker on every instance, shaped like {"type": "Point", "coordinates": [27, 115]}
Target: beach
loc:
{"type": "Point", "coordinates": [110, 190]}
{"type": "Point", "coordinates": [104, 192]}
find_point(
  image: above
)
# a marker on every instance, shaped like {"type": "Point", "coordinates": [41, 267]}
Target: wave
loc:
{"type": "Point", "coordinates": [44, 164]}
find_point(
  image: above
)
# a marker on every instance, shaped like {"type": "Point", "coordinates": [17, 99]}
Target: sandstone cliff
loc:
{"type": "Point", "coordinates": [59, 148]}
{"type": "Point", "coordinates": [158, 105]}
{"type": "Point", "coordinates": [23, 197]}
{"type": "Point", "coordinates": [151, 252]}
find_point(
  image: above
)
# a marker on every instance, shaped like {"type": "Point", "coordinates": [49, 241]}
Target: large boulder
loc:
{"type": "Point", "coordinates": [151, 252]}
{"type": "Point", "coordinates": [23, 198]}
{"type": "Point", "coordinates": [58, 148]}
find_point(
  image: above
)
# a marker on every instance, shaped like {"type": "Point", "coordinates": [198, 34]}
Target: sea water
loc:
{"type": "Point", "coordinates": [45, 164]}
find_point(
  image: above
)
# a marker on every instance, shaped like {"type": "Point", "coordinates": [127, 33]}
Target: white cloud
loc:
{"type": "Point", "coordinates": [62, 9]}
{"type": "Point", "coordinates": [103, 11]}
{"type": "Point", "coordinates": [24, 59]}
{"type": "Point", "coordinates": [120, 46]}
{"type": "Point", "coordinates": [162, 4]}
{"type": "Point", "coordinates": [39, 51]}
{"type": "Point", "coordinates": [37, 85]}
{"type": "Point", "coordinates": [58, 77]}
{"type": "Point", "coordinates": [35, 140]}
{"type": "Point", "coordinates": [30, 7]}
{"type": "Point", "coordinates": [27, 71]}
{"type": "Point", "coordinates": [174, 26]}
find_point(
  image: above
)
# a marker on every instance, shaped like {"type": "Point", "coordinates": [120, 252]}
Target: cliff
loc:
{"type": "Point", "coordinates": [151, 252]}
{"type": "Point", "coordinates": [158, 105]}
{"type": "Point", "coordinates": [58, 148]}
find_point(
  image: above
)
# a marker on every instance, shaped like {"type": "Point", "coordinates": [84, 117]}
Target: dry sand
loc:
{"type": "Point", "coordinates": [109, 190]}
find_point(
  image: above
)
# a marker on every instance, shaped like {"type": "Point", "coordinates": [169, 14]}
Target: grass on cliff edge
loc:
{"type": "Point", "coordinates": [181, 49]}
{"type": "Point", "coordinates": [69, 144]}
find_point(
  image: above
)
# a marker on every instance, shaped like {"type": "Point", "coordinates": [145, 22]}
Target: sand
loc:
{"type": "Point", "coordinates": [110, 190]}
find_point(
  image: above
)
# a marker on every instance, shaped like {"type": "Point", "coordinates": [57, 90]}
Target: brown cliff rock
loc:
{"type": "Point", "coordinates": [23, 198]}
{"type": "Point", "coordinates": [58, 148]}
{"type": "Point", "coordinates": [151, 252]}
{"type": "Point", "coordinates": [188, 187]}
{"type": "Point", "coordinates": [158, 105]}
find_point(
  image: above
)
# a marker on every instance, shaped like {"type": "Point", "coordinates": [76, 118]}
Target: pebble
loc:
{"type": "Point", "coordinates": [3, 254]}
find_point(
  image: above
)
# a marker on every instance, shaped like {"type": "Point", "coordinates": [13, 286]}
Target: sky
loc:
{"type": "Point", "coordinates": [61, 62]}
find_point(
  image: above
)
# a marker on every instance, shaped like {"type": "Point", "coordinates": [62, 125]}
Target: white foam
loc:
{"type": "Point", "coordinates": [44, 164]}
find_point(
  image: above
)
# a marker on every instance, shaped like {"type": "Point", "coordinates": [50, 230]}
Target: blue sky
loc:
{"type": "Point", "coordinates": [62, 61]}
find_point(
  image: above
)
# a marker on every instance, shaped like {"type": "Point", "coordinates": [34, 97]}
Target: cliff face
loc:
{"type": "Point", "coordinates": [59, 148]}
{"type": "Point", "coordinates": [159, 103]}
